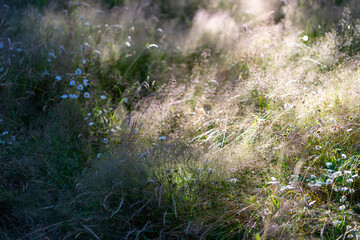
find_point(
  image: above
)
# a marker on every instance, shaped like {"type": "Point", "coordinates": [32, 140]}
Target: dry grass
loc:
{"type": "Point", "coordinates": [230, 127]}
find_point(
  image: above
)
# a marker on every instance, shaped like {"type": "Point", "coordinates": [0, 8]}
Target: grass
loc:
{"type": "Point", "coordinates": [189, 120]}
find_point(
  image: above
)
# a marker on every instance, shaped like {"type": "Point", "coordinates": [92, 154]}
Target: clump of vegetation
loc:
{"type": "Point", "coordinates": [187, 120]}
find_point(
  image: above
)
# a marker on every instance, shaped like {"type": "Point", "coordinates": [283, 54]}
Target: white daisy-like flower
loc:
{"type": "Point", "coordinates": [128, 44]}
{"type": "Point", "coordinates": [211, 171]}
{"type": "Point", "coordinates": [343, 156]}
{"type": "Point", "coordinates": [91, 123]}
{"type": "Point", "coordinates": [72, 82]}
{"type": "Point", "coordinates": [233, 180]}
{"type": "Point", "coordinates": [342, 199]}
{"type": "Point", "coordinates": [342, 207]}
{"type": "Point", "coordinates": [64, 96]}
{"type": "Point", "coordinates": [58, 78]}
{"type": "Point", "coordinates": [85, 82]}
{"type": "Point", "coordinates": [102, 97]}
{"type": "Point", "coordinates": [78, 71]}
{"type": "Point", "coordinates": [98, 155]}
{"type": "Point", "coordinates": [350, 236]}
{"type": "Point", "coordinates": [233, 169]}
{"type": "Point", "coordinates": [73, 96]}
{"type": "Point", "coordinates": [317, 147]}
{"type": "Point", "coordinates": [162, 138]}
{"type": "Point", "coordinates": [86, 95]}
{"type": "Point", "coordinates": [327, 211]}
{"type": "Point", "coordinates": [305, 38]}
{"type": "Point", "coordinates": [153, 45]}
{"type": "Point", "coordinates": [329, 181]}
{"type": "Point", "coordinates": [336, 222]}
{"type": "Point", "coordinates": [351, 190]}
{"type": "Point", "coordinates": [350, 180]}
{"type": "Point", "coordinates": [105, 140]}
{"type": "Point", "coordinates": [80, 87]}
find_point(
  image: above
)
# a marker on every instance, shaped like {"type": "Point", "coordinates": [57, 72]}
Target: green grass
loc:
{"type": "Point", "coordinates": [187, 120]}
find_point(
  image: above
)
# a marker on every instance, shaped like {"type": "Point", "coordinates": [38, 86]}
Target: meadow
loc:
{"type": "Point", "coordinates": [187, 119]}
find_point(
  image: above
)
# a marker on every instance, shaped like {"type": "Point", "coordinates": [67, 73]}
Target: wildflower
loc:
{"type": "Point", "coordinates": [317, 147]}
{"type": "Point", "coordinates": [233, 170]}
{"type": "Point", "coordinates": [160, 30]}
{"type": "Point", "coordinates": [5, 133]}
{"type": "Point", "coordinates": [106, 140]}
{"type": "Point", "coordinates": [350, 180]}
{"type": "Point", "coordinates": [351, 190]}
{"type": "Point", "coordinates": [125, 100]}
{"type": "Point", "coordinates": [344, 189]}
{"type": "Point", "coordinates": [347, 172]}
{"type": "Point", "coordinates": [162, 138]}
{"type": "Point", "coordinates": [305, 38]}
{"type": "Point", "coordinates": [358, 204]}
{"type": "Point", "coordinates": [64, 96]}
{"type": "Point", "coordinates": [153, 45]}
{"type": "Point", "coordinates": [51, 54]}
{"type": "Point", "coordinates": [87, 24]}
{"type": "Point", "coordinates": [292, 125]}
{"type": "Point", "coordinates": [80, 87]}
{"type": "Point", "coordinates": [211, 171]}
{"type": "Point", "coordinates": [312, 203]}
{"type": "Point", "coordinates": [342, 199]}
{"type": "Point", "coordinates": [336, 222]}
{"type": "Point", "coordinates": [1, 45]}
{"type": "Point", "coordinates": [89, 114]}
{"type": "Point", "coordinates": [19, 50]}
{"type": "Point", "coordinates": [337, 174]}
{"type": "Point", "coordinates": [102, 97]}
{"type": "Point", "coordinates": [343, 156]}
{"type": "Point", "coordinates": [91, 123]}
{"type": "Point", "coordinates": [72, 82]}
{"type": "Point", "coordinates": [329, 164]}
{"type": "Point", "coordinates": [86, 95]}
{"type": "Point", "coordinates": [355, 175]}
{"type": "Point", "coordinates": [350, 236]}
{"type": "Point", "coordinates": [98, 155]}
{"type": "Point", "coordinates": [233, 180]}
{"type": "Point", "coordinates": [85, 82]}
{"type": "Point", "coordinates": [113, 130]}
{"type": "Point", "coordinates": [349, 130]}
{"type": "Point", "coordinates": [327, 211]}
{"type": "Point", "coordinates": [342, 207]}
{"type": "Point", "coordinates": [86, 118]}
{"type": "Point", "coordinates": [78, 71]}
{"type": "Point", "coordinates": [128, 44]}
{"type": "Point", "coordinates": [48, 59]}
{"type": "Point", "coordinates": [58, 78]}
{"type": "Point", "coordinates": [73, 96]}
{"type": "Point", "coordinates": [84, 61]}
{"type": "Point", "coordinates": [329, 181]}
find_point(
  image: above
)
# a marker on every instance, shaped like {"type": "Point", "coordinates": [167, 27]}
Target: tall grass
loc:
{"type": "Point", "coordinates": [186, 120]}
